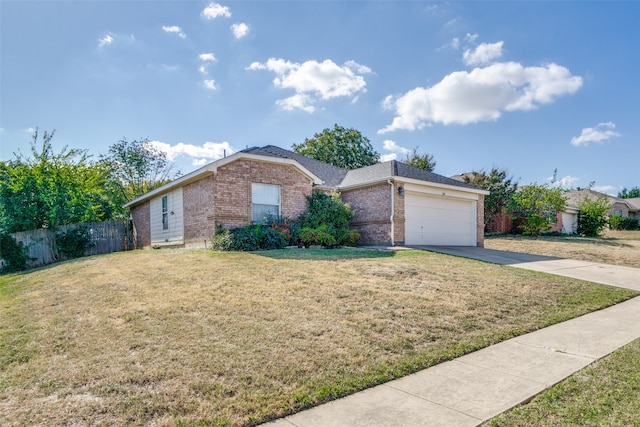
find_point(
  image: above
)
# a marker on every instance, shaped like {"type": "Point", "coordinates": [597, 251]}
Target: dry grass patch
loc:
{"type": "Point", "coordinates": [616, 247]}
{"type": "Point", "coordinates": [201, 338]}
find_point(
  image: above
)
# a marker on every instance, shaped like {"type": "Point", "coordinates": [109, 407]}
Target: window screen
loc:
{"type": "Point", "coordinates": [265, 200]}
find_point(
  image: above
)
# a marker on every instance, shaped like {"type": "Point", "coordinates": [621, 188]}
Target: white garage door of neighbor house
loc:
{"type": "Point", "coordinates": [435, 220]}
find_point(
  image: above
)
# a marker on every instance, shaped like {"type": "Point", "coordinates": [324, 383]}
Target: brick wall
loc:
{"type": "Point", "coordinates": [480, 223]}
{"type": "Point", "coordinates": [232, 190]}
{"type": "Point", "coordinates": [198, 202]}
{"type": "Point", "coordinates": [141, 218]}
{"type": "Point", "coordinates": [372, 211]}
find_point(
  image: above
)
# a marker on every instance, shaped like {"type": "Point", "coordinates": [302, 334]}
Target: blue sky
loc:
{"type": "Point", "coordinates": [527, 86]}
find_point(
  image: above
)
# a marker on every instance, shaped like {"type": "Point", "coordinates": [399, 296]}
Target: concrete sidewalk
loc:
{"type": "Point", "coordinates": [474, 388]}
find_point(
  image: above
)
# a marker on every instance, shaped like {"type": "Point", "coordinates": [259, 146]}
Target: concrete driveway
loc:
{"type": "Point", "coordinates": [614, 275]}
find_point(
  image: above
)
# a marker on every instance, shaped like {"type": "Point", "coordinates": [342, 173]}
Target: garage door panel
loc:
{"type": "Point", "coordinates": [433, 220]}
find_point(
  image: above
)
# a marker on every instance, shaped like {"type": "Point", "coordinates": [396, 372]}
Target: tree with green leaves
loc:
{"type": "Point", "coordinates": [629, 194]}
{"type": "Point", "coordinates": [421, 161]}
{"type": "Point", "coordinates": [537, 205]}
{"type": "Point", "coordinates": [501, 186]}
{"type": "Point", "coordinates": [50, 189]}
{"type": "Point", "coordinates": [592, 216]}
{"type": "Point", "coordinates": [137, 167]}
{"type": "Point", "coordinates": [345, 148]}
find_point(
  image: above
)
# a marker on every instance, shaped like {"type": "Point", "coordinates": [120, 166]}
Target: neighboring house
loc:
{"type": "Point", "coordinates": [393, 203]}
{"type": "Point", "coordinates": [624, 207]}
{"type": "Point", "coordinates": [634, 208]}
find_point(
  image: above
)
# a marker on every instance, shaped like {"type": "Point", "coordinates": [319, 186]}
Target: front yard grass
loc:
{"type": "Point", "coordinates": [607, 393]}
{"type": "Point", "coordinates": [615, 247]}
{"type": "Point", "coordinates": [177, 337]}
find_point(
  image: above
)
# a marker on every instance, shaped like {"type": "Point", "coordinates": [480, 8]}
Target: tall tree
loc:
{"type": "Point", "coordinates": [421, 161]}
{"type": "Point", "coordinates": [629, 194]}
{"type": "Point", "coordinates": [501, 186]}
{"type": "Point", "coordinates": [49, 189]}
{"type": "Point", "coordinates": [537, 205]}
{"type": "Point", "coordinates": [137, 167]}
{"type": "Point", "coordinates": [345, 148]}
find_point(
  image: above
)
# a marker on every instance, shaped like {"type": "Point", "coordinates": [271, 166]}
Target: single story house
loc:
{"type": "Point", "coordinates": [569, 220]}
{"type": "Point", "coordinates": [393, 203]}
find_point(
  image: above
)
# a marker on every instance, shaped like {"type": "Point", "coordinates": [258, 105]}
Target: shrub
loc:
{"type": "Point", "coordinates": [222, 240]}
{"type": "Point", "coordinates": [592, 218]}
{"type": "Point", "coordinates": [619, 222]}
{"type": "Point", "coordinates": [329, 216]}
{"type": "Point", "coordinates": [74, 242]}
{"type": "Point", "coordinates": [317, 236]}
{"type": "Point", "coordinates": [13, 253]}
{"type": "Point", "coordinates": [251, 238]}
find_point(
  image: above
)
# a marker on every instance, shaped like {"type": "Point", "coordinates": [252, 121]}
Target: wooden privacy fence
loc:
{"type": "Point", "coordinates": [105, 237]}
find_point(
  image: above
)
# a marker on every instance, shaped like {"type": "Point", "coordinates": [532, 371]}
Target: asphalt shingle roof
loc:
{"type": "Point", "coordinates": [335, 177]}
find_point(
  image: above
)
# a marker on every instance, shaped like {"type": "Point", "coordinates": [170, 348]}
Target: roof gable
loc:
{"type": "Point", "coordinates": [330, 174]}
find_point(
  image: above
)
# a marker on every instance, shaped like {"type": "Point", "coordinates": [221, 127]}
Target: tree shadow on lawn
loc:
{"type": "Point", "coordinates": [320, 254]}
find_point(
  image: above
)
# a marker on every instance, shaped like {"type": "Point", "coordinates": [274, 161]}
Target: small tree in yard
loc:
{"type": "Point", "coordinates": [592, 217]}
{"type": "Point", "coordinates": [537, 206]}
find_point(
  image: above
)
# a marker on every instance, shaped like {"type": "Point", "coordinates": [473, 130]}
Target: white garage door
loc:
{"type": "Point", "coordinates": [434, 220]}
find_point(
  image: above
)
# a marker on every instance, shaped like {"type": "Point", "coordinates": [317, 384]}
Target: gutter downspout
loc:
{"type": "Point", "coordinates": [393, 208]}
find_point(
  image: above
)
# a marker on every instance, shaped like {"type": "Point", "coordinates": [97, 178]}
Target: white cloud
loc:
{"type": "Point", "coordinates": [174, 29]}
{"type": "Point", "coordinates": [482, 94]}
{"type": "Point", "coordinates": [202, 69]}
{"type": "Point", "coordinates": [600, 134]}
{"type": "Point", "coordinates": [30, 130]}
{"type": "Point", "coordinates": [106, 40]}
{"type": "Point", "coordinates": [471, 38]}
{"type": "Point", "coordinates": [200, 154]}
{"type": "Point", "coordinates": [388, 157]}
{"type": "Point", "coordinates": [210, 84]}
{"type": "Point", "coordinates": [483, 54]}
{"type": "Point", "coordinates": [214, 10]}
{"type": "Point", "coordinates": [207, 57]}
{"type": "Point", "coordinates": [240, 30]}
{"type": "Point", "coordinates": [566, 181]}
{"type": "Point", "coordinates": [607, 189]}
{"type": "Point", "coordinates": [313, 80]}
{"type": "Point", "coordinates": [392, 146]}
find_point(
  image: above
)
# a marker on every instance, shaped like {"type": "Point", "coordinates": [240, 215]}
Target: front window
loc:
{"type": "Point", "coordinates": [165, 213]}
{"type": "Point", "coordinates": [552, 216]}
{"type": "Point", "coordinates": [265, 200]}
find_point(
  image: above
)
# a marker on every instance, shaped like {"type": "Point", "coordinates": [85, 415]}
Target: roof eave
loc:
{"type": "Point", "coordinates": [413, 181]}
{"type": "Point", "coordinates": [212, 168]}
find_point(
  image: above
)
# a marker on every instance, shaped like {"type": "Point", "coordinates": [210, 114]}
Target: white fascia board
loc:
{"type": "Point", "coordinates": [416, 182]}
{"type": "Point", "coordinates": [212, 168]}
{"type": "Point", "coordinates": [191, 176]}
